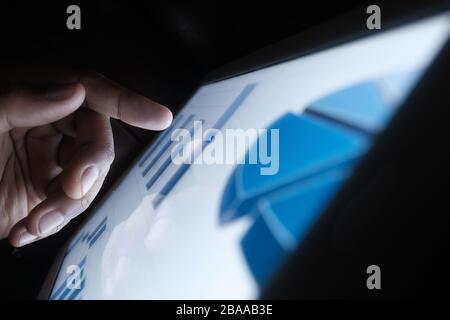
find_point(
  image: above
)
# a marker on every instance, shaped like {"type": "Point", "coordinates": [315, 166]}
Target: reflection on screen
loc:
{"type": "Point", "coordinates": [198, 230]}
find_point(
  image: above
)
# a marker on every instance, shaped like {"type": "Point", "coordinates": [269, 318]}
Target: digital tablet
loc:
{"type": "Point", "coordinates": [216, 205]}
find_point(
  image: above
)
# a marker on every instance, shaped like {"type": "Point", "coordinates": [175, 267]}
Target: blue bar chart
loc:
{"type": "Point", "coordinates": [168, 160]}
{"type": "Point", "coordinates": [88, 239]}
{"type": "Point", "coordinates": [160, 139]}
{"type": "Point", "coordinates": [219, 124]}
{"type": "Point", "coordinates": [68, 291]}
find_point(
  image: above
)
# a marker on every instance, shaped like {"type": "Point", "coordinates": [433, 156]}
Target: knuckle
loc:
{"type": "Point", "coordinates": [58, 228]}
{"type": "Point", "coordinates": [86, 201]}
{"type": "Point", "coordinates": [102, 150]}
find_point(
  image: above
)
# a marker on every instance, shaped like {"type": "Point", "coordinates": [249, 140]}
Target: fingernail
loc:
{"type": "Point", "coordinates": [50, 221]}
{"type": "Point", "coordinates": [26, 238]}
{"type": "Point", "coordinates": [60, 92]}
{"type": "Point", "coordinates": [88, 178]}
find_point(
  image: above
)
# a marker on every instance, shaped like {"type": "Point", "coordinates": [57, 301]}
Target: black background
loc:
{"type": "Point", "coordinates": [160, 49]}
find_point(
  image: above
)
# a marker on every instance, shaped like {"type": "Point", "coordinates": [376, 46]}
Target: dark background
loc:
{"type": "Point", "coordinates": [160, 49]}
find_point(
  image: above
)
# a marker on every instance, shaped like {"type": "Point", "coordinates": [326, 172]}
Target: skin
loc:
{"type": "Point", "coordinates": [56, 147]}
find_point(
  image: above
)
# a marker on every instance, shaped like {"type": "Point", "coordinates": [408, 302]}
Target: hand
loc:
{"type": "Point", "coordinates": [56, 147]}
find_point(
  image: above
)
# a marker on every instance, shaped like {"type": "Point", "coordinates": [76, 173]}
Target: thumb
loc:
{"type": "Point", "coordinates": [25, 107]}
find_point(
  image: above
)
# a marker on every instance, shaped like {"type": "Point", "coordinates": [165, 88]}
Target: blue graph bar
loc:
{"type": "Point", "coordinates": [88, 236]}
{"type": "Point", "coordinates": [170, 184]}
{"type": "Point", "coordinates": [164, 148]}
{"type": "Point", "coordinates": [85, 237]}
{"type": "Point", "coordinates": [91, 238]}
{"type": "Point", "coordinates": [76, 292]}
{"type": "Point", "coordinates": [73, 245]}
{"type": "Point", "coordinates": [159, 140]}
{"type": "Point", "coordinates": [64, 294]}
{"type": "Point", "coordinates": [164, 166]}
{"type": "Point", "coordinates": [218, 125]}
{"type": "Point", "coordinates": [60, 294]}
{"type": "Point", "coordinates": [99, 233]}
{"type": "Point", "coordinates": [158, 173]}
{"type": "Point", "coordinates": [234, 105]}
{"type": "Point", "coordinates": [103, 222]}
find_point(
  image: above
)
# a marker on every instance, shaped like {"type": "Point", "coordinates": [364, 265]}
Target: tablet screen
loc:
{"type": "Point", "coordinates": [217, 203]}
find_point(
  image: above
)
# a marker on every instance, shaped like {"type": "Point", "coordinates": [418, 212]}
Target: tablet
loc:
{"type": "Point", "coordinates": [214, 207]}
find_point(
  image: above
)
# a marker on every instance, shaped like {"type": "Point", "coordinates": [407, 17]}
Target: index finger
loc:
{"type": "Point", "coordinates": [113, 100]}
